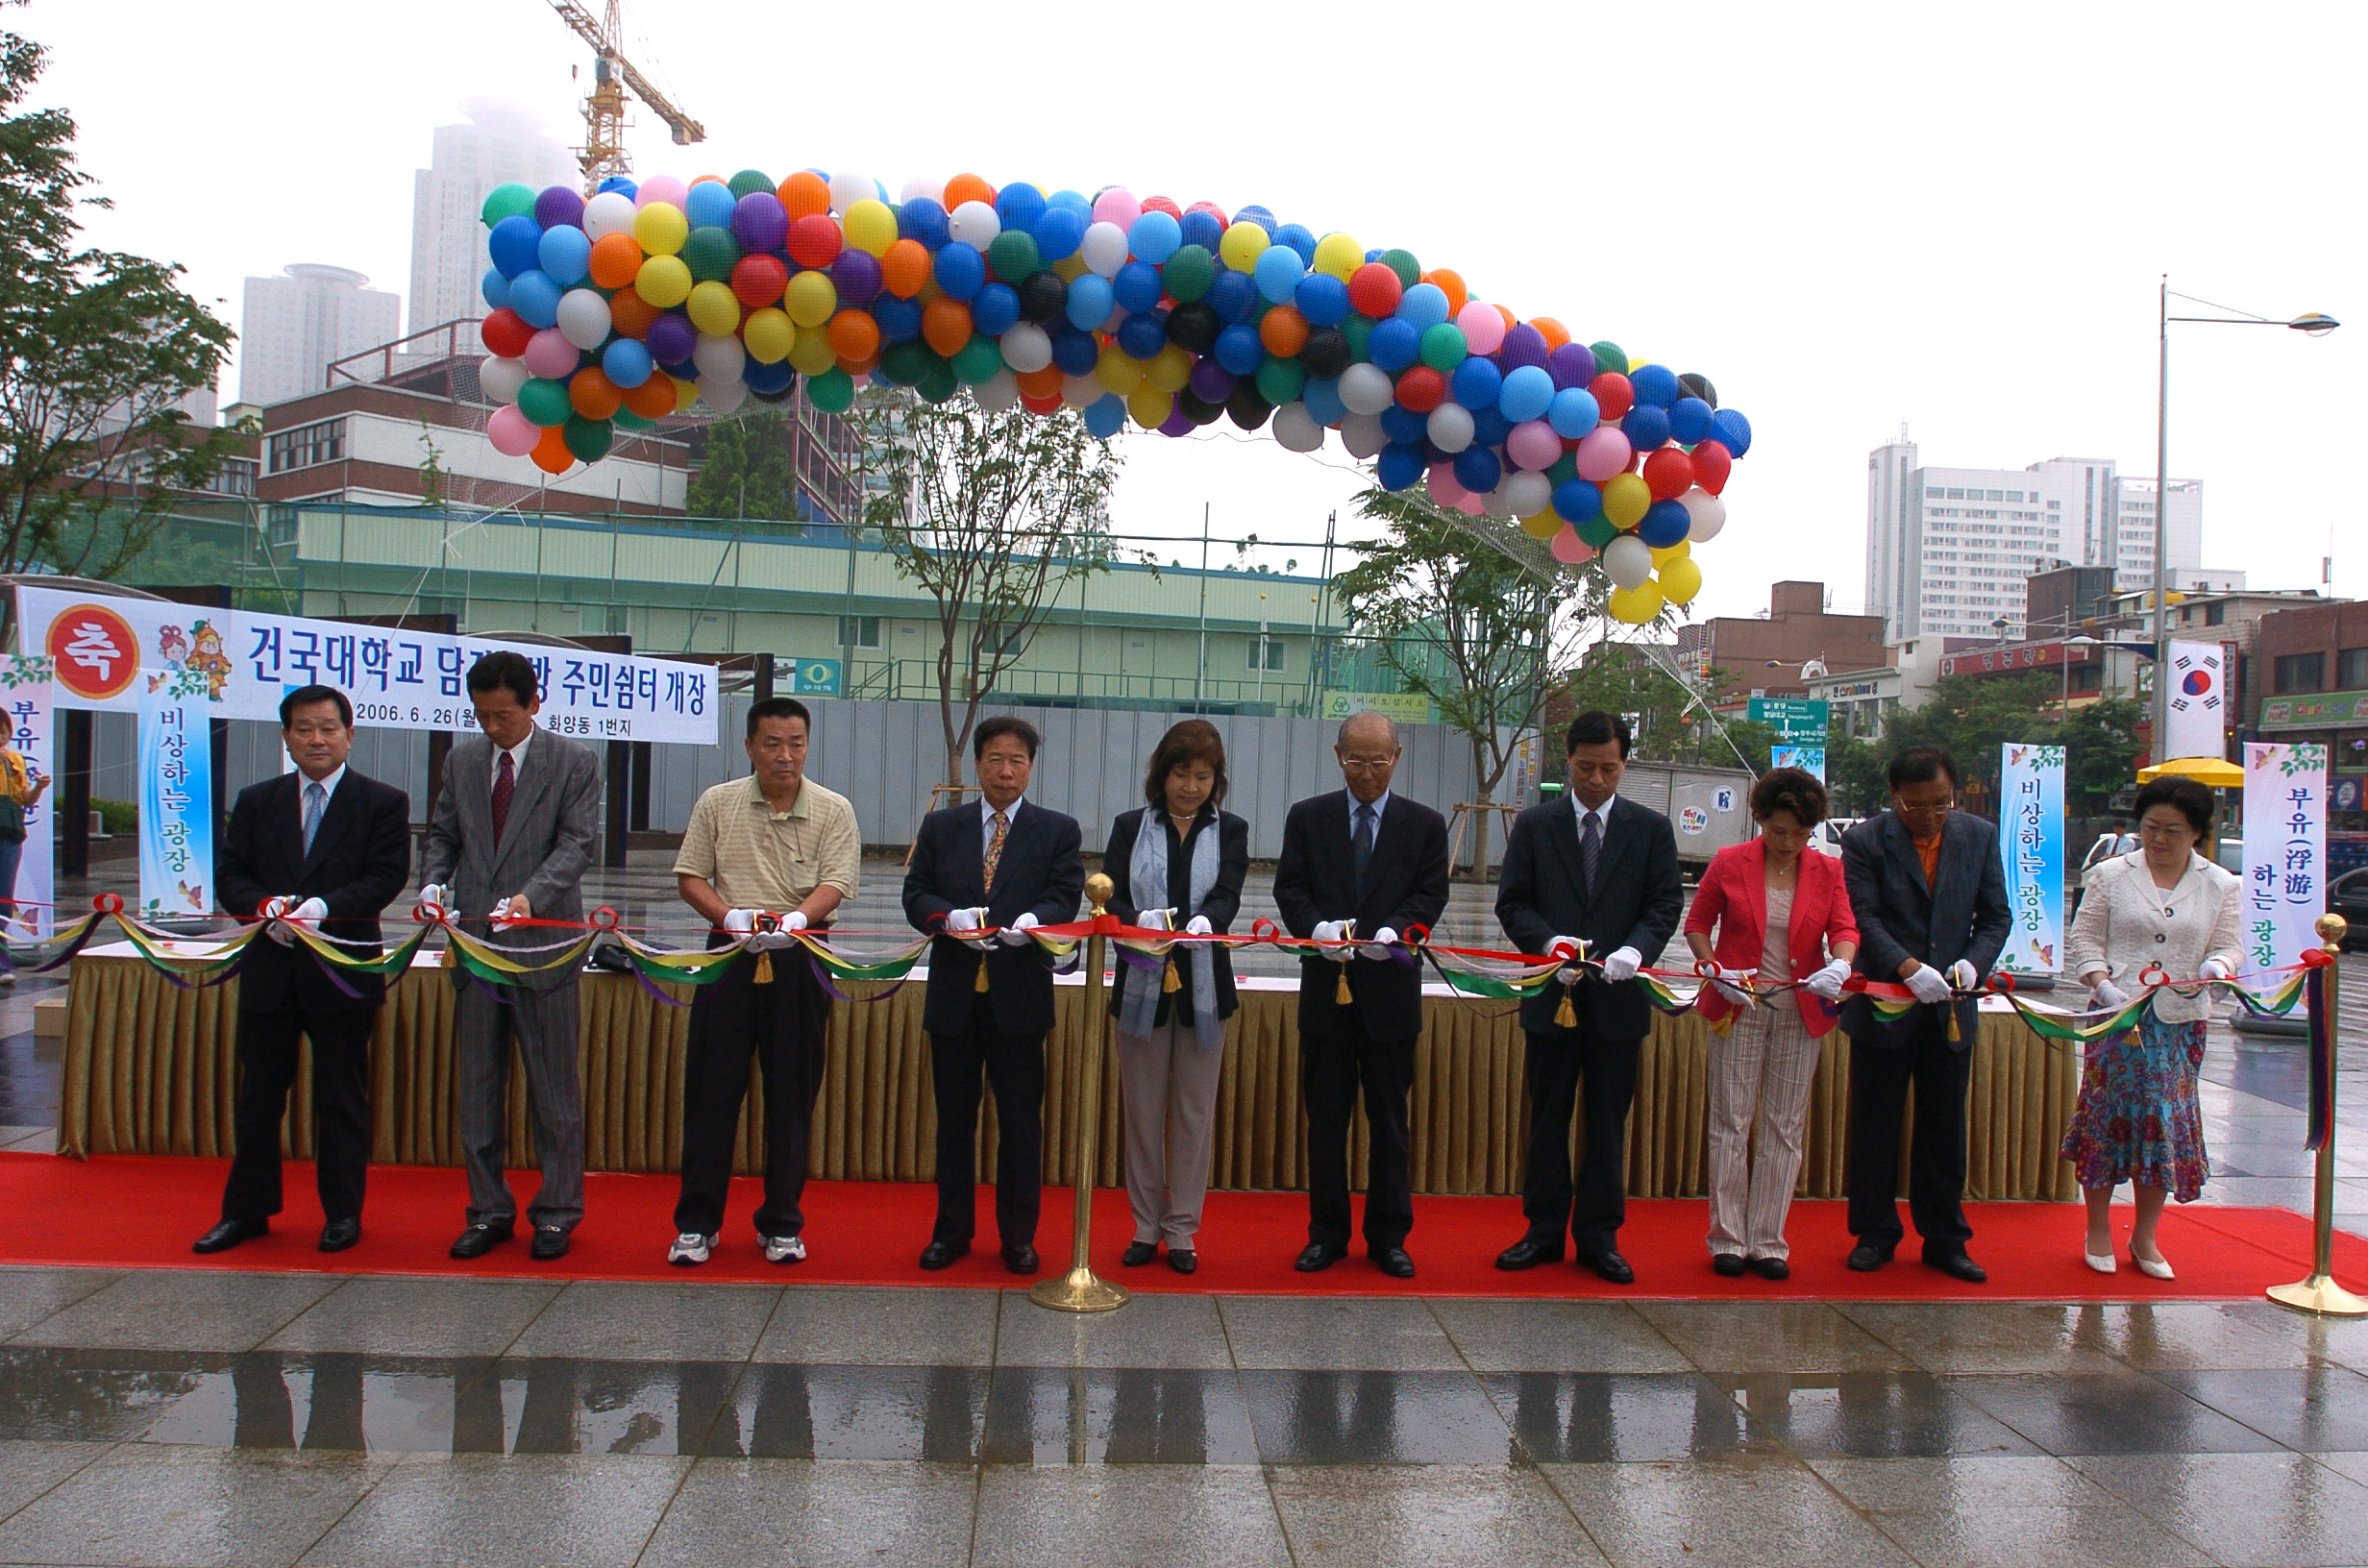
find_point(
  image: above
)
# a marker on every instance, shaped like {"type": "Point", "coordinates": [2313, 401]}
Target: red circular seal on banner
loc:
{"type": "Point", "coordinates": [94, 651]}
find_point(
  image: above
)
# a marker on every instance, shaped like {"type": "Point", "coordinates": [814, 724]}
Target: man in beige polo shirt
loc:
{"type": "Point", "coordinates": [765, 856]}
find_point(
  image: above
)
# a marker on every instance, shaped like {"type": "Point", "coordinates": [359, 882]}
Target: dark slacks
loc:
{"type": "Point", "coordinates": [786, 1026]}
{"type": "Point", "coordinates": [1014, 1065]}
{"type": "Point", "coordinates": [1880, 1077]}
{"type": "Point", "coordinates": [1556, 1066]}
{"type": "Point", "coordinates": [267, 1045]}
{"type": "Point", "coordinates": [1333, 1067]}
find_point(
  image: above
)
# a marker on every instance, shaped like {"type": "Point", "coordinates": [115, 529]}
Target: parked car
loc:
{"type": "Point", "coordinates": [2348, 896]}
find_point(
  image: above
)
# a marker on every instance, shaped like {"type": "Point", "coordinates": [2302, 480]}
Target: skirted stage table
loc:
{"type": "Point", "coordinates": [150, 1068]}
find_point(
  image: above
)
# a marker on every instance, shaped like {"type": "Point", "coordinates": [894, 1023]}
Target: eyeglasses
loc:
{"type": "Point", "coordinates": [1367, 765]}
{"type": "Point", "coordinates": [2166, 830]}
{"type": "Point", "coordinates": [1938, 808]}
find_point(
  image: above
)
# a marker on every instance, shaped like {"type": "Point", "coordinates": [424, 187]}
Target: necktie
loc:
{"type": "Point", "coordinates": [1590, 847]}
{"type": "Point", "coordinates": [995, 850]}
{"type": "Point", "coordinates": [315, 799]}
{"type": "Point", "coordinates": [1362, 842]}
{"type": "Point", "coordinates": [504, 785]}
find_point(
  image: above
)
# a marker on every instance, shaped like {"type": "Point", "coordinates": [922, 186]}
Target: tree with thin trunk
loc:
{"type": "Point", "coordinates": [994, 515]}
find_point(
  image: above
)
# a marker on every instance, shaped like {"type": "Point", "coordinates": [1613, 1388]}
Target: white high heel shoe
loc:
{"type": "Point", "coordinates": [2101, 1263]}
{"type": "Point", "coordinates": [2157, 1268]}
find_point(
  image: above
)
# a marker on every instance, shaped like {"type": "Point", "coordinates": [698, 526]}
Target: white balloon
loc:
{"type": "Point", "coordinates": [719, 358]}
{"type": "Point", "coordinates": [1104, 249]}
{"type": "Point", "coordinates": [974, 224]}
{"type": "Point", "coordinates": [1707, 512]}
{"type": "Point", "coordinates": [1362, 435]}
{"type": "Point", "coordinates": [583, 317]}
{"type": "Point", "coordinates": [1526, 494]}
{"type": "Point", "coordinates": [1498, 502]}
{"type": "Point", "coordinates": [1082, 391]}
{"type": "Point", "coordinates": [1366, 389]}
{"type": "Point", "coordinates": [994, 395]}
{"type": "Point", "coordinates": [611, 212]}
{"type": "Point", "coordinates": [500, 379]}
{"type": "Point", "coordinates": [1628, 561]}
{"type": "Point", "coordinates": [922, 188]}
{"type": "Point", "coordinates": [1296, 428]}
{"type": "Point", "coordinates": [1450, 427]}
{"type": "Point", "coordinates": [1026, 346]}
{"type": "Point", "coordinates": [847, 189]}
{"type": "Point", "coordinates": [721, 397]}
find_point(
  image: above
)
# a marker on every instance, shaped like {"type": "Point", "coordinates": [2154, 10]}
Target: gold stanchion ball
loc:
{"type": "Point", "coordinates": [1099, 889]}
{"type": "Point", "coordinates": [2332, 929]}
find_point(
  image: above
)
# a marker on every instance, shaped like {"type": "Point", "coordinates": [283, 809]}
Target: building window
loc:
{"type": "Point", "coordinates": [2302, 672]}
{"type": "Point", "coordinates": [2352, 668]}
{"type": "Point", "coordinates": [1266, 654]}
{"type": "Point", "coordinates": [859, 631]}
{"type": "Point", "coordinates": [305, 446]}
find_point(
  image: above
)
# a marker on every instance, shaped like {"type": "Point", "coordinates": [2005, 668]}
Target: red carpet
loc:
{"type": "Point", "coordinates": [68, 1213]}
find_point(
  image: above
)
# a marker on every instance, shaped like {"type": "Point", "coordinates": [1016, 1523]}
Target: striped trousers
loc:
{"type": "Point", "coordinates": [1764, 1065]}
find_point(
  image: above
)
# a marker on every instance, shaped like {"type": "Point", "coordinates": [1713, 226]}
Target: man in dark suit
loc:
{"type": "Point", "coordinates": [1003, 866]}
{"type": "Point", "coordinates": [1361, 864]}
{"type": "Point", "coordinates": [1597, 874]}
{"type": "Point", "coordinates": [325, 845]}
{"type": "Point", "coordinates": [1931, 899]}
{"type": "Point", "coordinates": [512, 834]}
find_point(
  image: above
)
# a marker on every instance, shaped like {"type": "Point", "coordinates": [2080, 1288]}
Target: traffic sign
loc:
{"type": "Point", "coordinates": [1794, 719]}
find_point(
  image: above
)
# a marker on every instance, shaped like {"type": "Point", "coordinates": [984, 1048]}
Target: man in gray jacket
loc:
{"type": "Point", "coordinates": [510, 838]}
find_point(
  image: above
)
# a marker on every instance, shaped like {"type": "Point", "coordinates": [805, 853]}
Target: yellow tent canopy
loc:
{"type": "Point", "coordinates": [2210, 771]}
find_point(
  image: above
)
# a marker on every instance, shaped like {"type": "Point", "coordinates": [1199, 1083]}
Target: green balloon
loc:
{"type": "Point", "coordinates": [978, 361]}
{"type": "Point", "coordinates": [1402, 262]}
{"type": "Point", "coordinates": [1012, 253]}
{"type": "Point", "coordinates": [1281, 380]}
{"type": "Point", "coordinates": [625, 419]}
{"type": "Point", "coordinates": [938, 382]}
{"type": "Point", "coordinates": [833, 391]}
{"type": "Point", "coordinates": [749, 182]}
{"type": "Point", "coordinates": [1444, 347]}
{"type": "Point", "coordinates": [544, 402]}
{"type": "Point", "coordinates": [1359, 330]}
{"type": "Point", "coordinates": [1187, 274]}
{"type": "Point", "coordinates": [1599, 530]}
{"type": "Point", "coordinates": [1565, 468]}
{"type": "Point", "coordinates": [587, 440]}
{"type": "Point", "coordinates": [1610, 356]}
{"type": "Point", "coordinates": [904, 364]}
{"type": "Point", "coordinates": [710, 253]}
{"type": "Point", "coordinates": [510, 201]}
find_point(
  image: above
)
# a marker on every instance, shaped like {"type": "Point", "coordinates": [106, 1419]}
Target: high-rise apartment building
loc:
{"type": "Point", "coordinates": [1948, 549]}
{"type": "Point", "coordinates": [500, 143]}
{"type": "Point", "coordinates": [294, 326]}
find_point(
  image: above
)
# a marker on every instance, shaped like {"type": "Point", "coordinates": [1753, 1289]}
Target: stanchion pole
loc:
{"type": "Point", "coordinates": [2320, 1293]}
{"type": "Point", "coordinates": [1079, 1290]}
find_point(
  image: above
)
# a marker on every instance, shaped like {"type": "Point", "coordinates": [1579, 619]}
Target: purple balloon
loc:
{"type": "Point", "coordinates": [1524, 345]}
{"type": "Point", "coordinates": [856, 275]}
{"type": "Point", "coordinates": [558, 205]}
{"type": "Point", "coordinates": [1177, 423]}
{"type": "Point", "coordinates": [1573, 364]}
{"type": "Point", "coordinates": [759, 221]}
{"type": "Point", "coordinates": [1212, 382]}
{"type": "Point", "coordinates": [672, 338]}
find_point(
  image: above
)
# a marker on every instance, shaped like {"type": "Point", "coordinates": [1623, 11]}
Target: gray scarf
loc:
{"type": "Point", "coordinates": [1147, 876]}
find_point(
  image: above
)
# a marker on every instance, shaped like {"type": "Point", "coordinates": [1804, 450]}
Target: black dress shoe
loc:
{"type": "Point", "coordinates": [1317, 1257]}
{"type": "Point", "coordinates": [1528, 1253]}
{"type": "Point", "coordinates": [1138, 1253]}
{"type": "Point", "coordinates": [1022, 1259]}
{"type": "Point", "coordinates": [229, 1233]}
{"type": "Point", "coordinates": [1771, 1268]}
{"type": "Point", "coordinates": [1393, 1261]}
{"type": "Point", "coordinates": [1867, 1256]}
{"type": "Point", "coordinates": [1612, 1266]}
{"type": "Point", "coordinates": [1183, 1261]}
{"type": "Point", "coordinates": [549, 1244]}
{"type": "Point", "coordinates": [340, 1233]}
{"type": "Point", "coordinates": [939, 1255]}
{"type": "Point", "coordinates": [480, 1240]}
{"type": "Point", "coordinates": [1958, 1266]}
{"type": "Point", "coordinates": [1727, 1265]}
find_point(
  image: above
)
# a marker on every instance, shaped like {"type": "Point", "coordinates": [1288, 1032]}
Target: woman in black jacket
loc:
{"type": "Point", "coordinates": [1178, 863]}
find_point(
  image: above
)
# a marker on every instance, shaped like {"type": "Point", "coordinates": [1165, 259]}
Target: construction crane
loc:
{"type": "Point", "coordinates": [602, 154]}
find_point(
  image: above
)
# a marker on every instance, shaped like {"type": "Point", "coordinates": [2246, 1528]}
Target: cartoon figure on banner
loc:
{"type": "Point", "coordinates": [207, 659]}
{"type": "Point", "coordinates": [174, 645]}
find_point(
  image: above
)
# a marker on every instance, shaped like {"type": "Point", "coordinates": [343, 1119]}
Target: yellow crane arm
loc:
{"type": "Point", "coordinates": [686, 129]}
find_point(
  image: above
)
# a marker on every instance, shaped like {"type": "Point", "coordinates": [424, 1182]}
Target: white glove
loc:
{"type": "Point", "coordinates": [773, 941]}
{"type": "Point", "coordinates": [793, 920]}
{"type": "Point", "coordinates": [1930, 985]}
{"type": "Point", "coordinates": [963, 919]}
{"type": "Point", "coordinates": [2107, 996]}
{"type": "Point", "coordinates": [1622, 964]}
{"type": "Point", "coordinates": [1965, 976]}
{"type": "Point", "coordinates": [1827, 981]}
{"type": "Point", "coordinates": [312, 908]}
{"type": "Point", "coordinates": [1379, 947]}
{"type": "Point", "coordinates": [1198, 926]}
{"type": "Point", "coordinates": [1334, 931]}
{"type": "Point", "coordinates": [740, 922]}
{"type": "Point", "coordinates": [1018, 934]}
{"type": "Point", "coordinates": [501, 907]}
{"type": "Point", "coordinates": [434, 895]}
{"type": "Point", "coordinates": [1565, 947]}
{"type": "Point", "coordinates": [1726, 982]}
{"type": "Point", "coordinates": [273, 911]}
{"type": "Point", "coordinates": [2215, 968]}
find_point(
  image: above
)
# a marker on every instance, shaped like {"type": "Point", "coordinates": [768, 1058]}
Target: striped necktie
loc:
{"type": "Point", "coordinates": [995, 850]}
{"type": "Point", "coordinates": [1590, 847]}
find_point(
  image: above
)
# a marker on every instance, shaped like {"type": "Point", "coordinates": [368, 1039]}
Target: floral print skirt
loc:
{"type": "Point", "coordinates": [2137, 1120]}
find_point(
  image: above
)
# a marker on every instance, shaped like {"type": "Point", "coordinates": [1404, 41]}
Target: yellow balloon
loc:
{"type": "Point", "coordinates": [660, 228]}
{"type": "Point", "coordinates": [1636, 605]}
{"type": "Point", "coordinates": [1170, 369]}
{"type": "Point", "coordinates": [1242, 246]}
{"type": "Point", "coordinates": [1339, 254]}
{"type": "Point", "coordinates": [812, 354]}
{"type": "Point", "coordinates": [1068, 268]}
{"type": "Point", "coordinates": [1680, 580]}
{"type": "Point", "coordinates": [1542, 524]}
{"type": "Point", "coordinates": [715, 310]}
{"type": "Point", "coordinates": [686, 393]}
{"type": "Point", "coordinates": [768, 336]}
{"type": "Point", "coordinates": [812, 299]}
{"type": "Point", "coordinates": [1150, 406]}
{"type": "Point", "coordinates": [1626, 497]}
{"type": "Point", "coordinates": [1673, 552]}
{"type": "Point", "coordinates": [664, 282]}
{"type": "Point", "coordinates": [870, 227]}
{"type": "Point", "coordinates": [1117, 372]}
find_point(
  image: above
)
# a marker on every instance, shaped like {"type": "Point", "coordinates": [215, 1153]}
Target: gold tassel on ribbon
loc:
{"type": "Point", "coordinates": [1169, 981]}
{"type": "Point", "coordinates": [1339, 993]}
{"type": "Point", "coordinates": [764, 968]}
{"type": "Point", "coordinates": [1953, 1035]}
{"type": "Point", "coordinates": [1566, 1017]}
{"type": "Point", "coordinates": [981, 984]}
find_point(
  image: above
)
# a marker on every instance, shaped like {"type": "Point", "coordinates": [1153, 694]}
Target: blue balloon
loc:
{"type": "Point", "coordinates": [1074, 351]}
{"type": "Point", "coordinates": [996, 309]}
{"type": "Point", "coordinates": [1137, 286]}
{"type": "Point", "coordinates": [1105, 418]}
{"type": "Point", "coordinates": [1575, 501]}
{"type": "Point", "coordinates": [1154, 238]}
{"type": "Point", "coordinates": [514, 244]}
{"type": "Point", "coordinates": [1400, 465]}
{"type": "Point", "coordinates": [1278, 270]}
{"type": "Point", "coordinates": [1656, 385]}
{"type": "Point", "coordinates": [1299, 238]}
{"type": "Point", "coordinates": [1324, 401]}
{"type": "Point", "coordinates": [1666, 523]}
{"type": "Point", "coordinates": [1202, 229]}
{"type": "Point", "coordinates": [1689, 420]}
{"type": "Point", "coordinates": [1059, 231]}
{"type": "Point", "coordinates": [1375, 253]}
{"type": "Point", "coordinates": [1401, 423]}
{"type": "Point", "coordinates": [1231, 295]}
{"type": "Point", "coordinates": [1018, 204]}
{"type": "Point", "coordinates": [1395, 345]}
{"type": "Point", "coordinates": [1475, 383]}
{"type": "Point", "coordinates": [1258, 216]}
{"type": "Point", "coordinates": [1477, 469]}
{"type": "Point", "coordinates": [898, 319]}
{"type": "Point", "coordinates": [564, 255]}
{"type": "Point", "coordinates": [495, 287]}
{"type": "Point", "coordinates": [1090, 301]}
{"type": "Point", "coordinates": [1731, 430]}
{"type": "Point", "coordinates": [1238, 351]}
{"type": "Point", "coordinates": [1646, 427]}
{"type": "Point", "coordinates": [924, 220]}
{"type": "Point", "coordinates": [960, 270]}
{"type": "Point", "coordinates": [535, 297]}
{"type": "Point", "coordinates": [1425, 306]}
{"type": "Point", "coordinates": [1142, 336]}
{"type": "Point", "coordinates": [709, 204]}
{"type": "Point", "coordinates": [625, 361]}
{"type": "Point", "coordinates": [619, 183]}
{"type": "Point", "coordinates": [1322, 299]}
{"type": "Point", "coordinates": [1489, 427]}
{"type": "Point", "coordinates": [1528, 393]}
{"type": "Point", "coordinates": [759, 377]}
{"type": "Point", "coordinates": [1573, 412]}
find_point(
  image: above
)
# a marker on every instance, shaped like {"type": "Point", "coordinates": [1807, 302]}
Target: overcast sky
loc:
{"type": "Point", "coordinates": [1949, 216]}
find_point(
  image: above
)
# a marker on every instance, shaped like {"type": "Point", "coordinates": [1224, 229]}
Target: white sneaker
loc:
{"type": "Point", "coordinates": [690, 1249]}
{"type": "Point", "coordinates": [784, 1249]}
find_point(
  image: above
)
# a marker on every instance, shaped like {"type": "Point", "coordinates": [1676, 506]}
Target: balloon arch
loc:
{"type": "Point", "coordinates": [614, 311]}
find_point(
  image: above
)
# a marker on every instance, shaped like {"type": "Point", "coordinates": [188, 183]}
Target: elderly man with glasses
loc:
{"type": "Point", "coordinates": [1931, 899]}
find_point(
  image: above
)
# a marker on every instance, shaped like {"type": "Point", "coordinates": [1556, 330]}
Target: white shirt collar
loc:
{"type": "Point", "coordinates": [517, 754]}
{"type": "Point", "coordinates": [1582, 811]}
{"type": "Point", "coordinates": [1381, 809]}
{"type": "Point", "coordinates": [329, 785]}
{"type": "Point", "coordinates": [986, 814]}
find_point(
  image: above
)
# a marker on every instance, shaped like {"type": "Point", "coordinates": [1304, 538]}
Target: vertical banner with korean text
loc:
{"type": "Point", "coordinates": [1809, 759]}
{"type": "Point", "coordinates": [176, 797]}
{"type": "Point", "coordinates": [2031, 846]}
{"type": "Point", "coordinates": [24, 687]}
{"type": "Point", "coordinates": [2285, 853]}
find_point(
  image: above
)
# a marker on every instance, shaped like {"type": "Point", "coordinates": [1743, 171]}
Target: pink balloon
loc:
{"type": "Point", "coordinates": [1532, 444]}
{"type": "Point", "coordinates": [511, 432]}
{"type": "Point", "coordinates": [1567, 548]}
{"type": "Point", "coordinates": [1443, 487]}
{"type": "Point", "coordinates": [1483, 329]}
{"type": "Point", "coordinates": [1472, 506]}
{"type": "Point", "coordinates": [1602, 454]}
{"type": "Point", "coordinates": [1116, 205]}
{"type": "Point", "coordinates": [551, 355]}
{"type": "Point", "coordinates": [664, 187]}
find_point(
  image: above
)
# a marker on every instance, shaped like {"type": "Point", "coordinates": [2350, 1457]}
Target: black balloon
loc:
{"type": "Point", "coordinates": [782, 396]}
{"type": "Point", "coordinates": [1042, 296]}
{"type": "Point", "coordinates": [1197, 408]}
{"type": "Point", "coordinates": [1194, 328]}
{"type": "Point", "coordinates": [1699, 385]}
{"type": "Point", "coordinates": [1325, 353]}
{"type": "Point", "coordinates": [1246, 407]}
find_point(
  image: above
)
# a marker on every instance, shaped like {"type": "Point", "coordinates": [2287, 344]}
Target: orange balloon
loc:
{"type": "Point", "coordinates": [1451, 284]}
{"type": "Point", "coordinates": [853, 334]}
{"type": "Point", "coordinates": [1556, 333]}
{"type": "Point", "coordinates": [615, 260]}
{"type": "Point", "coordinates": [805, 194]}
{"type": "Point", "coordinates": [946, 326]}
{"type": "Point", "coordinates": [1505, 312]}
{"type": "Point", "coordinates": [551, 454]}
{"type": "Point", "coordinates": [593, 394]}
{"type": "Point", "coordinates": [652, 399]}
{"type": "Point", "coordinates": [968, 187]}
{"type": "Point", "coordinates": [1041, 383]}
{"type": "Point", "coordinates": [906, 268]}
{"type": "Point", "coordinates": [1041, 407]}
{"type": "Point", "coordinates": [1283, 330]}
{"type": "Point", "coordinates": [631, 314]}
{"type": "Point", "coordinates": [860, 367]}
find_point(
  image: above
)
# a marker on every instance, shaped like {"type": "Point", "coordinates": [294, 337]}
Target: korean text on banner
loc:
{"type": "Point", "coordinates": [2031, 847]}
{"type": "Point", "coordinates": [2286, 851]}
{"type": "Point", "coordinates": [24, 688]}
{"type": "Point", "coordinates": [2197, 702]}
{"type": "Point", "coordinates": [176, 797]}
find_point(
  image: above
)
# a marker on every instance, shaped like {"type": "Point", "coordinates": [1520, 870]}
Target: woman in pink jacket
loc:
{"type": "Point", "coordinates": [1781, 912]}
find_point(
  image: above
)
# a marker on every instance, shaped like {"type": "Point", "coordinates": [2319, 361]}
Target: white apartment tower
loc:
{"type": "Point", "coordinates": [1949, 549]}
{"type": "Point", "coordinates": [294, 327]}
{"type": "Point", "coordinates": [500, 143]}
